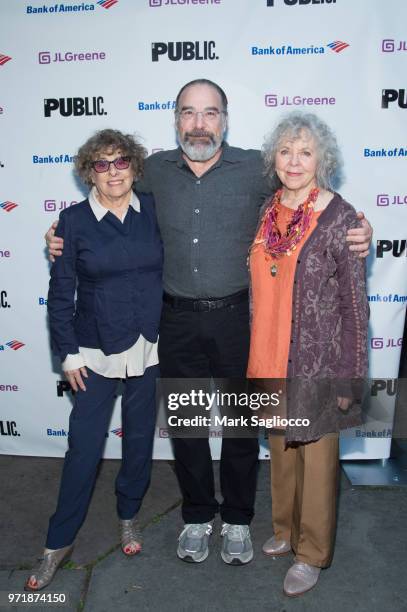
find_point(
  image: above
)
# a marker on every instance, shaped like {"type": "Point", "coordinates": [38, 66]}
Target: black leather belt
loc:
{"type": "Point", "coordinates": [207, 304]}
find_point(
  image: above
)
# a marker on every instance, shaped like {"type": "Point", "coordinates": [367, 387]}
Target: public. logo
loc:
{"type": "Point", "coordinates": [397, 248]}
{"type": "Point", "coordinates": [270, 3]}
{"type": "Point", "coordinates": [389, 45]}
{"type": "Point", "coordinates": [184, 50]}
{"type": "Point", "coordinates": [62, 386]}
{"type": "Point", "coordinates": [393, 95]}
{"type": "Point", "coordinates": [45, 57]}
{"type": "Point", "coordinates": [276, 100]}
{"type": "Point", "coordinates": [3, 300]}
{"type": "Point", "coordinates": [8, 428]}
{"type": "Point", "coordinates": [4, 59]}
{"type": "Point", "coordinates": [74, 107]}
{"type": "Point", "coordinates": [8, 206]}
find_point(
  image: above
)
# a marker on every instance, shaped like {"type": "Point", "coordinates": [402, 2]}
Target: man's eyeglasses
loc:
{"type": "Point", "coordinates": [207, 115]}
{"type": "Point", "coordinates": [103, 165]}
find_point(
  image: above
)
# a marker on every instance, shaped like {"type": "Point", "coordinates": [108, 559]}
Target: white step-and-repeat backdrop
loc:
{"type": "Point", "coordinates": [70, 68]}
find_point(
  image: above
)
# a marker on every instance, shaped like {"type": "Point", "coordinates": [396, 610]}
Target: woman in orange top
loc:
{"type": "Point", "coordinates": [309, 324]}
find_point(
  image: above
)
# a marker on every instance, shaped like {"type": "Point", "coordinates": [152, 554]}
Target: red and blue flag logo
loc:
{"type": "Point", "coordinates": [8, 206]}
{"type": "Point", "coordinates": [337, 46]}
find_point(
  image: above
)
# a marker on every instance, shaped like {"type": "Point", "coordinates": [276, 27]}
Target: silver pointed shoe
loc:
{"type": "Point", "coordinates": [300, 578]}
{"type": "Point", "coordinates": [130, 536]}
{"type": "Point", "coordinates": [276, 548]}
{"type": "Point", "coordinates": [47, 570]}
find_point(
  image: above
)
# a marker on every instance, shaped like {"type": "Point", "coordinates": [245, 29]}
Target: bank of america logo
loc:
{"type": "Point", "coordinates": [15, 344]}
{"type": "Point", "coordinates": [8, 206]}
{"type": "Point", "coordinates": [118, 432]}
{"type": "Point", "coordinates": [4, 59]}
{"type": "Point", "coordinates": [107, 4]}
{"type": "Point", "coordinates": [338, 46]}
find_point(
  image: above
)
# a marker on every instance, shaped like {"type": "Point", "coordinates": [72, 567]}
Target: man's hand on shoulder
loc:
{"type": "Point", "coordinates": [360, 237]}
{"type": "Point", "coordinates": [54, 243]}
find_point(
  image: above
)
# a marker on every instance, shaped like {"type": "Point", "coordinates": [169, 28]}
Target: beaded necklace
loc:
{"type": "Point", "coordinates": [277, 245]}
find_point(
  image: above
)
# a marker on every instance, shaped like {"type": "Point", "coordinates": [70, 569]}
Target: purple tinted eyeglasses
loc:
{"type": "Point", "coordinates": [103, 165]}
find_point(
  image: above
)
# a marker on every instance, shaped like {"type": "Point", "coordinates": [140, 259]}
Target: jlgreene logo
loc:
{"type": "Point", "coordinates": [396, 247]}
{"type": "Point", "coordinates": [184, 50]}
{"type": "Point", "coordinates": [394, 95]}
{"type": "Point", "coordinates": [81, 7]}
{"type": "Point", "coordinates": [74, 107]}
{"type": "Point", "coordinates": [390, 45]}
{"type": "Point", "coordinates": [275, 100]}
{"type": "Point", "coordinates": [381, 343]}
{"type": "Point", "coordinates": [54, 205]}
{"type": "Point", "coordinates": [45, 57]}
{"type": "Point", "coordinates": [318, 49]}
{"type": "Point", "coordinates": [158, 3]}
{"type": "Point", "coordinates": [384, 199]}
{"type": "Point", "coordinates": [299, 2]}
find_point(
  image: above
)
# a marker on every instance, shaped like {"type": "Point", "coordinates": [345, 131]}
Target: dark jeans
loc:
{"type": "Point", "coordinates": [204, 345]}
{"type": "Point", "coordinates": [88, 425]}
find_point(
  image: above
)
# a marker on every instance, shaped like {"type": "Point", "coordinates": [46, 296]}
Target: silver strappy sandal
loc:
{"type": "Point", "coordinates": [131, 538]}
{"type": "Point", "coordinates": [49, 565]}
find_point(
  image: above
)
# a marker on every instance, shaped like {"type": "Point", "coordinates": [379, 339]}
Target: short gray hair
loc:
{"type": "Point", "coordinates": [329, 173]}
{"type": "Point", "coordinates": [106, 141]}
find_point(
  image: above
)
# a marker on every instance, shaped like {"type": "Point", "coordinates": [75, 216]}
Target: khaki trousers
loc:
{"type": "Point", "coordinates": [304, 481]}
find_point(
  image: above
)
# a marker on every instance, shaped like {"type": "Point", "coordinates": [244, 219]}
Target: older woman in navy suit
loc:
{"type": "Point", "coordinates": [113, 261]}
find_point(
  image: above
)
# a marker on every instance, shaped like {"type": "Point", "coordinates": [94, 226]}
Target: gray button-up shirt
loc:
{"type": "Point", "coordinates": [207, 223]}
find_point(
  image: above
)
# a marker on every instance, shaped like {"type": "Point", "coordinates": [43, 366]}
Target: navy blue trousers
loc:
{"type": "Point", "coordinates": [88, 425]}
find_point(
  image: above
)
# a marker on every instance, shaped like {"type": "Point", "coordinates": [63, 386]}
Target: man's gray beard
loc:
{"type": "Point", "coordinates": [200, 152]}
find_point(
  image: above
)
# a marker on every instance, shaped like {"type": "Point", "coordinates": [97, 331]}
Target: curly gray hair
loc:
{"type": "Point", "coordinates": [108, 141]}
{"type": "Point", "coordinates": [329, 173]}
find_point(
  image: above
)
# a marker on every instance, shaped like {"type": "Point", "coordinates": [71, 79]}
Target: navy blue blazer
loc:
{"type": "Point", "coordinates": [116, 270]}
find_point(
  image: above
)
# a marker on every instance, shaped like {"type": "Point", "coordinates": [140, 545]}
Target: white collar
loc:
{"type": "Point", "coordinates": [100, 211]}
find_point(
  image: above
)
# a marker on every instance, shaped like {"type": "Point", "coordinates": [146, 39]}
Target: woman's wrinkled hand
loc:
{"type": "Point", "coordinates": [75, 378]}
